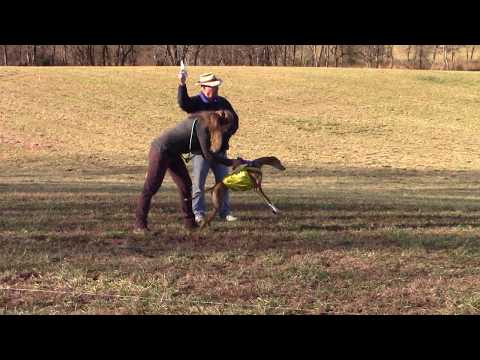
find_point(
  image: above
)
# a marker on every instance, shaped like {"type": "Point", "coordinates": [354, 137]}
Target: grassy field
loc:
{"type": "Point", "coordinates": [379, 203]}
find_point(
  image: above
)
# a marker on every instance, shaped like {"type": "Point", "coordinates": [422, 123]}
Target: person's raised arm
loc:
{"type": "Point", "coordinates": [184, 101]}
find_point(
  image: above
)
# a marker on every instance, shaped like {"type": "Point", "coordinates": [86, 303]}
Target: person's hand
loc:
{"type": "Point", "coordinates": [237, 162]}
{"type": "Point", "coordinates": [182, 76]}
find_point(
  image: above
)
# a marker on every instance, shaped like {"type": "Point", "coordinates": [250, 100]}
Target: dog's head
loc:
{"type": "Point", "coordinates": [277, 163]}
{"type": "Point", "coordinates": [269, 160]}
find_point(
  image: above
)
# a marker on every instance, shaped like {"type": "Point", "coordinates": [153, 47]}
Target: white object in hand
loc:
{"type": "Point", "coordinates": [183, 68]}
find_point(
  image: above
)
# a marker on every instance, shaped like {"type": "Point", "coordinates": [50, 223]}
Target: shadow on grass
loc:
{"type": "Point", "coordinates": [90, 216]}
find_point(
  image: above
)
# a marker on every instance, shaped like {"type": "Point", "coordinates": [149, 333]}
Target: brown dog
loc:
{"type": "Point", "coordinates": [254, 174]}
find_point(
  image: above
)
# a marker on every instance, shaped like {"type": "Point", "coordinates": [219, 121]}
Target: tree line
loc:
{"type": "Point", "coordinates": [447, 57]}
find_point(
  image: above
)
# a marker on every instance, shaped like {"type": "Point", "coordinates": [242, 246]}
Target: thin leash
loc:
{"type": "Point", "coordinates": [162, 299]}
{"type": "Point", "coordinates": [188, 157]}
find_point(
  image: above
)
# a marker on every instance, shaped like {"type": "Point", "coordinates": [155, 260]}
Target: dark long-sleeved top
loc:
{"type": "Point", "coordinates": [177, 141]}
{"type": "Point", "coordinates": [198, 103]}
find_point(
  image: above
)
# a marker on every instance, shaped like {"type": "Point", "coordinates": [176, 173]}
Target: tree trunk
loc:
{"type": "Point", "coordinates": [342, 54]}
{"type": "Point", "coordinates": [285, 55]}
{"type": "Point", "coordinates": [471, 53]}
{"type": "Point", "coordinates": [5, 55]}
{"type": "Point", "coordinates": [445, 58]}
{"type": "Point", "coordinates": [171, 55]}
{"type": "Point", "coordinates": [54, 50]}
{"type": "Point", "coordinates": [434, 55]}
{"type": "Point", "coordinates": [183, 56]}
{"type": "Point", "coordinates": [196, 53]}
{"type": "Point", "coordinates": [133, 55]}
{"type": "Point", "coordinates": [91, 54]}
{"type": "Point", "coordinates": [65, 59]}
{"type": "Point", "coordinates": [322, 49]}
{"type": "Point", "coordinates": [119, 54]}
{"type": "Point", "coordinates": [175, 58]}
{"type": "Point", "coordinates": [124, 54]}
{"type": "Point", "coordinates": [294, 53]}
{"type": "Point", "coordinates": [34, 56]}
{"type": "Point", "coordinates": [335, 49]}
{"type": "Point", "coordinates": [421, 57]}
{"type": "Point", "coordinates": [327, 56]}
{"type": "Point", "coordinates": [266, 56]}
{"type": "Point", "coordinates": [275, 55]}
{"type": "Point", "coordinates": [391, 56]}
{"type": "Point", "coordinates": [106, 56]}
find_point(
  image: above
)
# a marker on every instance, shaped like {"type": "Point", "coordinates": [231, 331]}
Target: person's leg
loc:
{"type": "Point", "coordinates": [220, 171]}
{"type": "Point", "coordinates": [157, 166]}
{"type": "Point", "coordinates": [179, 173]}
{"type": "Point", "coordinates": [200, 172]}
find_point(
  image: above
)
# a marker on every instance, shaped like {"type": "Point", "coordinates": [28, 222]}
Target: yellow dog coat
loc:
{"type": "Point", "coordinates": [239, 179]}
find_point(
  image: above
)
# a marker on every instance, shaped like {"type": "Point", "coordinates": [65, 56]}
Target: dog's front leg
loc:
{"type": "Point", "coordinates": [260, 192]}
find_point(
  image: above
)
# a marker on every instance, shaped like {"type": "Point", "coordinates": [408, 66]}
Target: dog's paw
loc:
{"type": "Point", "coordinates": [274, 209]}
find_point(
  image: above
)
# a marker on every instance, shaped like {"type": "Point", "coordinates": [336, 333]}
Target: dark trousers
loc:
{"type": "Point", "coordinates": [158, 164]}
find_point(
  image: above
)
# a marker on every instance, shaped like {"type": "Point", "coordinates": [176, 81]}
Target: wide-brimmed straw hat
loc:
{"type": "Point", "coordinates": [209, 79]}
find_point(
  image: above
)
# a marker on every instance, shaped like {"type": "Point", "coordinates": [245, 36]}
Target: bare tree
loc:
{"type": "Point", "coordinates": [335, 50]}
{"type": "Point", "coordinates": [316, 55]}
{"type": "Point", "coordinates": [90, 51]}
{"type": "Point", "coordinates": [177, 53]}
{"type": "Point", "coordinates": [327, 55]}
{"type": "Point", "coordinates": [65, 52]}
{"type": "Point", "coordinates": [106, 59]}
{"type": "Point", "coordinates": [52, 58]}
{"type": "Point", "coordinates": [409, 48]}
{"type": "Point", "coordinates": [34, 55]}
{"type": "Point", "coordinates": [434, 55]}
{"type": "Point", "coordinates": [122, 54]}
{"type": "Point", "coordinates": [5, 55]}
{"type": "Point", "coordinates": [415, 56]}
{"type": "Point", "coordinates": [196, 53]}
{"type": "Point", "coordinates": [391, 56]}
{"type": "Point", "coordinates": [446, 65]}
{"type": "Point", "coordinates": [419, 50]}
{"type": "Point", "coordinates": [285, 48]}
{"type": "Point", "coordinates": [469, 56]}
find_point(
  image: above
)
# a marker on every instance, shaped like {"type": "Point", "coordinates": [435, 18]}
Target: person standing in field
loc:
{"type": "Point", "coordinates": [203, 132]}
{"type": "Point", "coordinates": [207, 100]}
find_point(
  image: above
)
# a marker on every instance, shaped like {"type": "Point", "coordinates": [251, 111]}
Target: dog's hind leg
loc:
{"type": "Point", "coordinates": [217, 200]}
